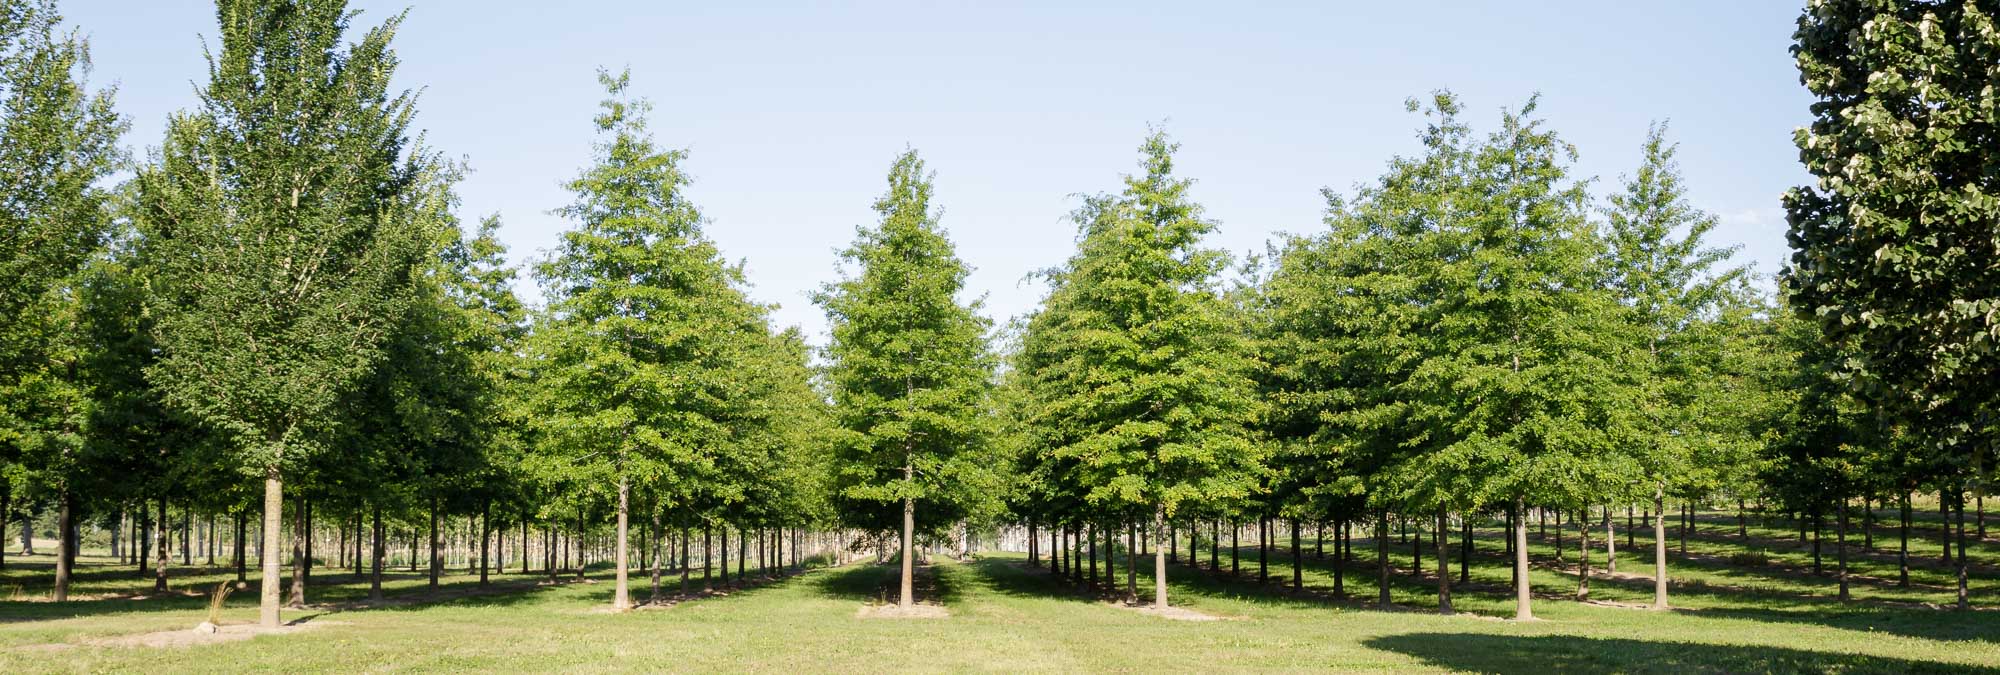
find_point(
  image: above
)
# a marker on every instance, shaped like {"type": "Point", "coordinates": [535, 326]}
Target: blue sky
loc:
{"type": "Point", "coordinates": [792, 112]}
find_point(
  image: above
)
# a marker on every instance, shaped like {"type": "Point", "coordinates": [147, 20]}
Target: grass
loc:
{"type": "Point", "coordinates": [1770, 616]}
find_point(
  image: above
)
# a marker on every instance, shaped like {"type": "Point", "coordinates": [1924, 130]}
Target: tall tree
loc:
{"type": "Point", "coordinates": [1667, 276]}
{"type": "Point", "coordinates": [58, 141]}
{"type": "Point", "coordinates": [1137, 348]}
{"type": "Point", "coordinates": [909, 368]}
{"type": "Point", "coordinates": [287, 214]}
{"type": "Point", "coordinates": [647, 325]}
{"type": "Point", "coordinates": [1893, 247]}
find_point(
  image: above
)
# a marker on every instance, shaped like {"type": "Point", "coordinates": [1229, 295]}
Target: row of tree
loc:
{"type": "Point", "coordinates": [282, 301]}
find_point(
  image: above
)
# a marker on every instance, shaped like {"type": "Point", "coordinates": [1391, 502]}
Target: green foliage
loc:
{"type": "Point", "coordinates": [909, 368]}
{"type": "Point", "coordinates": [285, 218]}
{"type": "Point", "coordinates": [1138, 376]}
{"type": "Point", "coordinates": [1893, 246]}
{"type": "Point", "coordinates": [638, 366]}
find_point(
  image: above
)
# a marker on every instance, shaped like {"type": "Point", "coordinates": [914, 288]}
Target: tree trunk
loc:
{"type": "Point", "coordinates": [1659, 546]}
{"type": "Point", "coordinates": [1903, 545]}
{"type": "Point", "coordinates": [380, 551]}
{"type": "Point", "coordinates": [1610, 542]}
{"type": "Point", "coordinates": [1298, 562]}
{"type": "Point", "coordinates": [1443, 561]}
{"type": "Point", "coordinates": [1523, 598]}
{"type": "Point", "coordinates": [274, 532]}
{"type": "Point", "coordinates": [621, 598]}
{"type": "Point", "coordinates": [1840, 546]}
{"type": "Point", "coordinates": [1583, 554]}
{"type": "Point", "coordinates": [485, 536]}
{"type": "Point", "coordinates": [1465, 549]}
{"type": "Point", "coordinates": [242, 561]}
{"type": "Point", "coordinates": [1131, 563]}
{"type": "Point", "coordinates": [160, 563]}
{"type": "Point", "coordinates": [905, 599]}
{"type": "Point", "coordinates": [65, 539]}
{"type": "Point", "coordinates": [686, 544]}
{"type": "Point", "coordinates": [1264, 550]}
{"type": "Point", "coordinates": [1159, 557]}
{"type": "Point", "coordinates": [1340, 551]}
{"type": "Point", "coordinates": [656, 553]}
{"type": "Point", "coordinates": [301, 533]}
{"type": "Point", "coordinates": [437, 563]}
{"type": "Point", "coordinates": [1382, 557]}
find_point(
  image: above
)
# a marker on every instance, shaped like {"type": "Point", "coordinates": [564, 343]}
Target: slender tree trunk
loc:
{"type": "Point", "coordinates": [1340, 551]}
{"type": "Point", "coordinates": [905, 599]}
{"type": "Point", "coordinates": [1159, 557]}
{"type": "Point", "coordinates": [1903, 545]}
{"type": "Point", "coordinates": [242, 561]}
{"type": "Point", "coordinates": [686, 561]}
{"type": "Point", "coordinates": [1440, 533]}
{"type": "Point", "coordinates": [1840, 546]}
{"type": "Point", "coordinates": [1382, 557]}
{"type": "Point", "coordinates": [621, 597]}
{"type": "Point", "coordinates": [65, 540]}
{"type": "Point", "coordinates": [485, 536]}
{"type": "Point", "coordinates": [1610, 542]}
{"type": "Point", "coordinates": [1298, 562]}
{"type": "Point", "coordinates": [655, 553]}
{"type": "Point", "coordinates": [160, 568]}
{"type": "Point", "coordinates": [274, 493]}
{"type": "Point", "coordinates": [376, 559]}
{"type": "Point", "coordinates": [1214, 546]}
{"type": "Point", "coordinates": [1523, 598]}
{"type": "Point", "coordinates": [1964, 599]}
{"type": "Point", "coordinates": [1465, 548]}
{"type": "Point", "coordinates": [1264, 550]}
{"type": "Point", "coordinates": [437, 563]}
{"type": "Point", "coordinates": [1659, 546]}
{"type": "Point", "coordinates": [1131, 563]}
{"type": "Point", "coordinates": [1583, 554]}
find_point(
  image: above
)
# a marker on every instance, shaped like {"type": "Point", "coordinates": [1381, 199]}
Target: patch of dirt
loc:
{"type": "Point", "coordinates": [918, 611]}
{"type": "Point", "coordinates": [1620, 605]}
{"type": "Point", "coordinates": [1175, 613]}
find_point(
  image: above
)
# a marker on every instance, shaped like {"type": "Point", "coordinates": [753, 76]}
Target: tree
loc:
{"type": "Point", "coordinates": [647, 326]}
{"type": "Point", "coordinates": [1666, 276]}
{"type": "Point", "coordinates": [287, 213]}
{"type": "Point", "coordinates": [58, 141]}
{"type": "Point", "coordinates": [1892, 248]}
{"type": "Point", "coordinates": [1136, 348]}
{"type": "Point", "coordinates": [908, 366]}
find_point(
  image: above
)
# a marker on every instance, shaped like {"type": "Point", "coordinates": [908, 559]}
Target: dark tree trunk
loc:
{"type": "Point", "coordinates": [1340, 551]}
{"type": "Point", "coordinates": [1441, 535]}
{"type": "Point", "coordinates": [242, 561]}
{"type": "Point", "coordinates": [1840, 546]}
{"type": "Point", "coordinates": [485, 536]}
{"type": "Point", "coordinates": [437, 563]}
{"type": "Point", "coordinates": [160, 564]}
{"type": "Point", "coordinates": [1382, 557]}
{"type": "Point", "coordinates": [376, 560]}
{"type": "Point", "coordinates": [1465, 549]}
{"type": "Point", "coordinates": [1903, 545]}
{"type": "Point", "coordinates": [1298, 562]}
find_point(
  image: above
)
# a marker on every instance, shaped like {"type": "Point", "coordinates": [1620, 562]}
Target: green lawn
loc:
{"type": "Point", "coordinates": [1009, 617]}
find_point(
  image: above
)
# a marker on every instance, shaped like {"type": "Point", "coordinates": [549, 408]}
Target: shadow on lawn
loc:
{"type": "Point", "coordinates": [1562, 653]}
{"type": "Point", "coordinates": [871, 583]}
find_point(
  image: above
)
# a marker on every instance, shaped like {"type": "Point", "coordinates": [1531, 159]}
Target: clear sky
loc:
{"type": "Point", "coordinates": [792, 112]}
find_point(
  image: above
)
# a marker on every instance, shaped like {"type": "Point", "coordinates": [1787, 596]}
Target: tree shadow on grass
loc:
{"type": "Point", "coordinates": [1564, 653]}
{"type": "Point", "coordinates": [880, 584]}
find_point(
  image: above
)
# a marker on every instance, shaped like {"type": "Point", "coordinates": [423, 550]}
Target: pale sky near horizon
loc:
{"type": "Point", "coordinates": [792, 112]}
